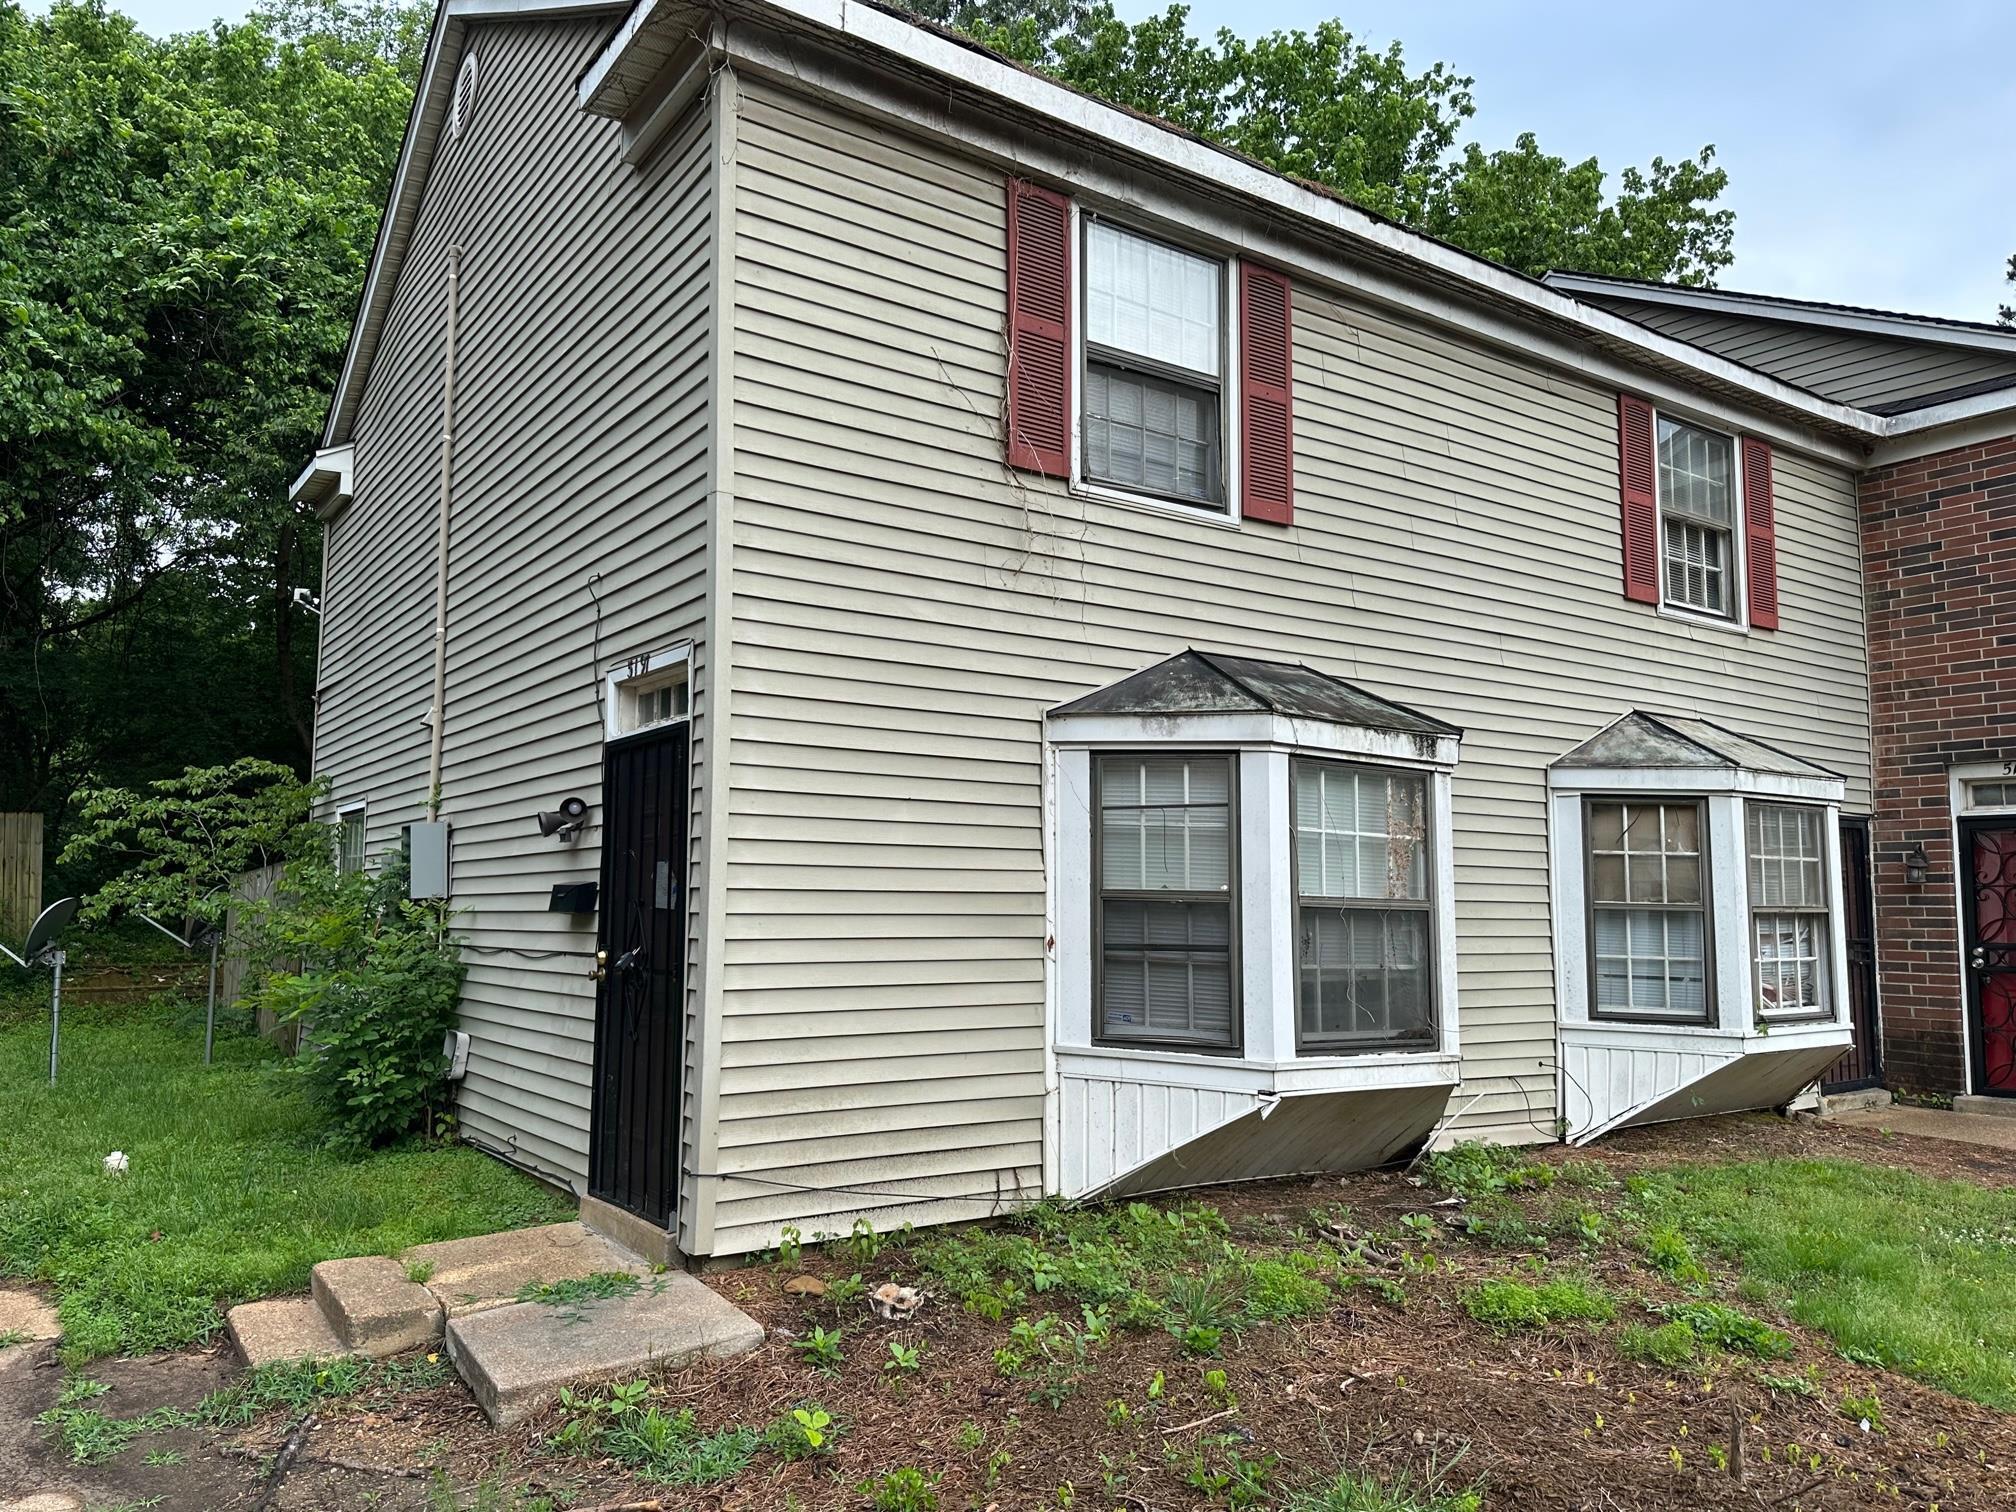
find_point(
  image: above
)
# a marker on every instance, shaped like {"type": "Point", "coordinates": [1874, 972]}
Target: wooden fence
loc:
{"type": "Point", "coordinates": [234, 968]}
{"type": "Point", "coordinates": [20, 875]}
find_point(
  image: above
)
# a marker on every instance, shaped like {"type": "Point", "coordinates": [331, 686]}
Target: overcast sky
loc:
{"type": "Point", "coordinates": [1868, 143]}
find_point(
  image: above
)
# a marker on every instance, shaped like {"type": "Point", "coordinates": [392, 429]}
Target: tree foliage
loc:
{"type": "Point", "coordinates": [174, 848]}
{"type": "Point", "coordinates": [184, 225]}
{"type": "Point", "coordinates": [1320, 105]}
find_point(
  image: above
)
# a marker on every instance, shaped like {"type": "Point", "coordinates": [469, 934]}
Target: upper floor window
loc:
{"type": "Point", "coordinates": [1697, 512]}
{"type": "Point", "coordinates": [1648, 915]}
{"type": "Point", "coordinates": [1164, 849]}
{"type": "Point", "coordinates": [1788, 909]}
{"type": "Point", "coordinates": [1364, 922]}
{"type": "Point", "coordinates": [1154, 391]}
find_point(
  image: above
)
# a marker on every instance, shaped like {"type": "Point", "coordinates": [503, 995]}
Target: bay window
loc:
{"type": "Point", "coordinates": [1648, 915]}
{"type": "Point", "coordinates": [1363, 915]}
{"type": "Point", "coordinates": [1164, 847]}
{"type": "Point", "coordinates": [1788, 910]}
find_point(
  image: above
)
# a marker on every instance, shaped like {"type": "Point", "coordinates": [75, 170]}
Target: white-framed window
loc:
{"type": "Point", "coordinates": [1364, 920]}
{"type": "Point", "coordinates": [1164, 856]}
{"type": "Point", "coordinates": [1700, 516]}
{"type": "Point", "coordinates": [647, 692]}
{"type": "Point", "coordinates": [1154, 415]}
{"type": "Point", "coordinates": [1985, 795]}
{"type": "Point", "coordinates": [1648, 914]}
{"type": "Point", "coordinates": [1789, 903]}
{"type": "Point", "coordinates": [350, 835]}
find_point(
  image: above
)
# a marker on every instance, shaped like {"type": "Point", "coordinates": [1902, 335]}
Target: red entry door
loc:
{"type": "Point", "coordinates": [1989, 848]}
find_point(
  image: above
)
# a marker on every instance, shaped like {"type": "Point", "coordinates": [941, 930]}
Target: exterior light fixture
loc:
{"type": "Point", "coordinates": [1917, 865]}
{"type": "Point", "coordinates": [567, 821]}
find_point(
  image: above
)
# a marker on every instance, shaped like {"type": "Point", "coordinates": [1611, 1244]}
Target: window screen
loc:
{"type": "Point", "coordinates": [350, 841]}
{"type": "Point", "coordinates": [1165, 861]}
{"type": "Point", "coordinates": [1362, 910]}
{"type": "Point", "coordinates": [1788, 909]}
{"type": "Point", "coordinates": [1697, 504]}
{"type": "Point", "coordinates": [1154, 365]}
{"type": "Point", "coordinates": [1648, 917]}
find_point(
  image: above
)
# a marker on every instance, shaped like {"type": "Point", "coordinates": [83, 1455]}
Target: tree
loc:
{"type": "Point", "coordinates": [2007, 314]}
{"type": "Point", "coordinates": [184, 226]}
{"type": "Point", "coordinates": [1324, 107]}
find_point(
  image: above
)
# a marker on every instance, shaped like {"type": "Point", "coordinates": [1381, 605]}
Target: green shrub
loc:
{"type": "Point", "coordinates": [377, 984]}
{"type": "Point", "coordinates": [1507, 1305]}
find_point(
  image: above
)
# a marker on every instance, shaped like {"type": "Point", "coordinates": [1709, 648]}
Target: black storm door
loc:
{"type": "Point", "coordinates": [1988, 907]}
{"type": "Point", "coordinates": [633, 1157]}
{"type": "Point", "coordinates": [1862, 1066]}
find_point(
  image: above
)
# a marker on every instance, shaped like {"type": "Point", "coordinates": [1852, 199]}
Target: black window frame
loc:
{"type": "Point", "coordinates": [1234, 1046]}
{"type": "Point", "coordinates": [1429, 905]}
{"type": "Point", "coordinates": [1710, 1016]}
{"type": "Point", "coordinates": [1220, 502]}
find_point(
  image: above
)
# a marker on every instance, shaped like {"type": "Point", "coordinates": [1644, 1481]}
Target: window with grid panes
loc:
{"type": "Point", "coordinates": [1697, 512]}
{"type": "Point", "coordinates": [1363, 916]}
{"type": "Point", "coordinates": [1154, 367]}
{"type": "Point", "coordinates": [350, 841]}
{"type": "Point", "coordinates": [1648, 914]}
{"type": "Point", "coordinates": [1165, 900]}
{"type": "Point", "coordinates": [1788, 909]}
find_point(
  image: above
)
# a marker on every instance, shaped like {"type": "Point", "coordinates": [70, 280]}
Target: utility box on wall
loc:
{"type": "Point", "coordinates": [427, 860]}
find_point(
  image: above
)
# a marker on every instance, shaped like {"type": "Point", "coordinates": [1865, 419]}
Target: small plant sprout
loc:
{"type": "Point", "coordinates": [821, 1350]}
{"type": "Point", "coordinates": [790, 1246]}
{"type": "Point", "coordinates": [904, 1359]}
{"type": "Point", "coordinates": [907, 1489]}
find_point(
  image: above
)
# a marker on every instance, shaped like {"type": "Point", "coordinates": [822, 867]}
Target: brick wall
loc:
{"type": "Point", "coordinates": [1939, 550]}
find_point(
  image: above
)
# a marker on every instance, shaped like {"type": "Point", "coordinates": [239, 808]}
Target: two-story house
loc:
{"type": "Point", "coordinates": [1082, 665]}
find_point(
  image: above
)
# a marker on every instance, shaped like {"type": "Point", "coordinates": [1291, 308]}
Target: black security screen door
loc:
{"type": "Point", "coordinates": [633, 1158]}
{"type": "Point", "coordinates": [1862, 1066]}
{"type": "Point", "coordinates": [1988, 852]}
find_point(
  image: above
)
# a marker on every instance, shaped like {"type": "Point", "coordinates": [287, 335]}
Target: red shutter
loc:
{"type": "Point", "coordinates": [1640, 502]}
{"type": "Point", "coordinates": [1760, 534]}
{"type": "Point", "coordinates": [1039, 330]}
{"type": "Point", "coordinates": [1266, 398]}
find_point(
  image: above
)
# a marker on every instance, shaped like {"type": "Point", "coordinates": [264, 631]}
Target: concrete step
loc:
{"type": "Point", "coordinates": [282, 1330]}
{"type": "Point", "coordinates": [374, 1307]}
{"type": "Point", "coordinates": [470, 1275]}
{"type": "Point", "coordinates": [517, 1357]}
{"type": "Point", "coordinates": [1992, 1107]}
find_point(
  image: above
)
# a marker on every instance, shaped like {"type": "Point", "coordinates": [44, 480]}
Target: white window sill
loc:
{"type": "Point", "coordinates": [1327, 1073]}
{"type": "Point", "coordinates": [1197, 514]}
{"type": "Point", "coordinates": [1702, 620]}
{"type": "Point", "coordinates": [1648, 1036]}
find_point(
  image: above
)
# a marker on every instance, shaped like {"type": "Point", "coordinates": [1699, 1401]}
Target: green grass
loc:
{"type": "Point", "coordinates": [231, 1193]}
{"type": "Point", "coordinates": [1898, 1269]}
{"type": "Point", "coordinates": [1506, 1305]}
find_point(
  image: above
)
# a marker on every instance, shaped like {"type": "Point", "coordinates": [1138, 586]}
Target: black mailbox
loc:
{"type": "Point", "coordinates": [572, 898]}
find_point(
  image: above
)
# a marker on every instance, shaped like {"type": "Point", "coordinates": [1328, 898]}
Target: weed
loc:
{"type": "Point", "coordinates": [576, 1293]}
{"type": "Point", "coordinates": [969, 1438]}
{"type": "Point", "coordinates": [801, 1433]}
{"type": "Point", "coordinates": [863, 1243]}
{"type": "Point", "coordinates": [845, 1289]}
{"type": "Point", "coordinates": [997, 1462]}
{"type": "Point", "coordinates": [1667, 1248]}
{"type": "Point", "coordinates": [1476, 1170]}
{"type": "Point", "coordinates": [1505, 1305]}
{"type": "Point", "coordinates": [1385, 1288]}
{"type": "Point", "coordinates": [906, 1359]}
{"type": "Point", "coordinates": [296, 1386]}
{"type": "Point", "coordinates": [1866, 1410]}
{"type": "Point", "coordinates": [906, 1489]}
{"type": "Point", "coordinates": [1419, 1226]}
{"type": "Point", "coordinates": [9, 1337]}
{"type": "Point", "coordinates": [1671, 1344]}
{"type": "Point", "coordinates": [1363, 1492]}
{"type": "Point", "coordinates": [1277, 1290]}
{"type": "Point", "coordinates": [1791, 1385]}
{"type": "Point", "coordinates": [420, 1272]}
{"type": "Point", "coordinates": [1050, 1353]}
{"type": "Point", "coordinates": [80, 1389]}
{"type": "Point", "coordinates": [1226, 1477]}
{"type": "Point", "coordinates": [164, 1457]}
{"type": "Point", "coordinates": [1206, 1300]}
{"type": "Point", "coordinates": [790, 1246]}
{"type": "Point", "coordinates": [669, 1448]}
{"type": "Point", "coordinates": [821, 1350]}
{"type": "Point", "coordinates": [88, 1436]}
{"type": "Point", "coordinates": [1721, 1327]}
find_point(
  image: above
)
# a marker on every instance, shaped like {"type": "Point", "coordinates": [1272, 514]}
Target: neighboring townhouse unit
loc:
{"type": "Point", "coordinates": [1939, 554]}
{"type": "Point", "coordinates": [1087, 666]}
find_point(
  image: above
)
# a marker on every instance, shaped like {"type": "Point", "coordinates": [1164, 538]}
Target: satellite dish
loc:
{"type": "Point", "coordinates": [51, 923]}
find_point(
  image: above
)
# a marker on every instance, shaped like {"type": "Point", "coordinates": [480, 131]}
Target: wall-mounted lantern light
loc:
{"type": "Point", "coordinates": [1917, 865]}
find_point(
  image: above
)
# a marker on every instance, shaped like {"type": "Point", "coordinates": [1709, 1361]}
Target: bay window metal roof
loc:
{"type": "Point", "coordinates": [1639, 739]}
{"type": "Point", "coordinates": [1201, 682]}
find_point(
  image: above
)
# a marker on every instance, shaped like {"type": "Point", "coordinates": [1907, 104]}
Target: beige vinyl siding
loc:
{"type": "Point", "coordinates": [905, 609]}
{"type": "Point", "coordinates": [584, 355]}
{"type": "Point", "coordinates": [1853, 367]}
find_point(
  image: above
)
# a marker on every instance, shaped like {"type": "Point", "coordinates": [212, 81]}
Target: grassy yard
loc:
{"type": "Point", "coordinates": [230, 1194]}
{"type": "Point", "coordinates": [1899, 1270]}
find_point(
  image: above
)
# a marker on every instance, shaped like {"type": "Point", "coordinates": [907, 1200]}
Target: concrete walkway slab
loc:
{"type": "Point", "coordinates": [374, 1306]}
{"type": "Point", "coordinates": [1935, 1123]}
{"type": "Point", "coordinates": [516, 1358]}
{"type": "Point", "coordinates": [26, 1318]}
{"type": "Point", "coordinates": [469, 1275]}
{"type": "Point", "coordinates": [282, 1330]}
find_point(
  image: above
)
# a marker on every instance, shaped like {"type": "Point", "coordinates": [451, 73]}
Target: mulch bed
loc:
{"type": "Point", "coordinates": [1553, 1420]}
